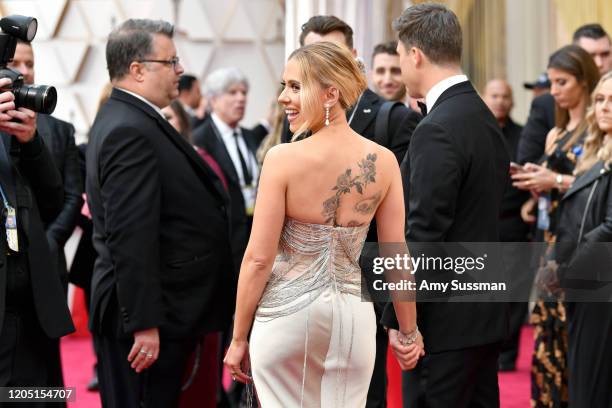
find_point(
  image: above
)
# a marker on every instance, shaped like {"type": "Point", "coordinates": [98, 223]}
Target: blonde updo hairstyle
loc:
{"type": "Point", "coordinates": [596, 146]}
{"type": "Point", "coordinates": [322, 65]}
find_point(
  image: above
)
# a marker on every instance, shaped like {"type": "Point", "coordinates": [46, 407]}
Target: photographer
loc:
{"type": "Point", "coordinates": [33, 309]}
{"type": "Point", "coordinates": [59, 139]}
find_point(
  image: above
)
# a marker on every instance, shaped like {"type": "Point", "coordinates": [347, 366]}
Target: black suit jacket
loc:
{"type": "Point", "coordinates": [82, 266]}
{"type": "Point", "coordinates": [161, 227]}
{"type": "Point", "coordinates": [209, 138]}
{"type": "Point", "coordinates": [33, 185]}
{"type": "Point", "coordinates": [512, 227]}
{"type": "Point", "coordinates": [533, 138]}
{"type": "Point", "coordinates": [59, 137]}
{"type": "Point", "coordinates": [454, 177]}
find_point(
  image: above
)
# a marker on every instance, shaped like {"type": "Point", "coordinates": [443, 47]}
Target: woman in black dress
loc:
{"type": "Point", "coordinates": [573, 76]}
{"type": "Point", "coordinates": [584, 264]}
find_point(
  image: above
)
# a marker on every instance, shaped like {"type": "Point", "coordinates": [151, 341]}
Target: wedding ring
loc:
{"type": "Point", "coordinates": [150, 355]}
{"type": "Point", "coordinates": [143, 352]}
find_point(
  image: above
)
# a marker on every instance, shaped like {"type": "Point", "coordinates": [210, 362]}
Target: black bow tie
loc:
{"type": "Point", "coordinates": [423, 108]}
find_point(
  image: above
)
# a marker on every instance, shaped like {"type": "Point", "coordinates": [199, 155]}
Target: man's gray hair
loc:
{"type": "Point", "coordinates": [132, 41]}
{"type": "Point", "coordinates": [219, 81]}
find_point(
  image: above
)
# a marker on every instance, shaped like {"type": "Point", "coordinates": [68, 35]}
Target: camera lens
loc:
{"type": "Point", "coordinates": [39, 98]}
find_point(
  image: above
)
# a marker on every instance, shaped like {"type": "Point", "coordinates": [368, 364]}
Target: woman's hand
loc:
{"type": "Point", "coordinates": [237, 361]}
{"type": "Point", "coordinates": [407, 356]}
{"type": "Point", "coordinates": [527, 210]}
{"type": "Point", "coordinates": [535, 178]}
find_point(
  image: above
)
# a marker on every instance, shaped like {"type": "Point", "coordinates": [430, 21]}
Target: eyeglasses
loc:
{"type": "Point", "coordinates": [174, 61]}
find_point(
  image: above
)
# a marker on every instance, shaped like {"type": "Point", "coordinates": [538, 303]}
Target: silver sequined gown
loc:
{"type": "Point", "coordinates": [313, 340]}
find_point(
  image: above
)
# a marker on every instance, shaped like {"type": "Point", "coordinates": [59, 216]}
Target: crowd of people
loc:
{"type": "Point", "coordinates": [210, 247]}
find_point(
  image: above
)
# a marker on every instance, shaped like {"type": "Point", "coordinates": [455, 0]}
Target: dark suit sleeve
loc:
{"type": "Point", "coordinates": [130, 190]}
{"type": "Point", "coordinates": [401, 126]}
{"type": "Point", "coordinates": [61, 228]}
{"type": "Point", "coordinates": [37, 165]}
{"type": "Point", "coordinates": [589, 265]}
{"type": "Point", "coordinates": [435, 178]}
{"type": "Point", "coordinates": [533, 136]}
{"type": "Point", "coordinates": [434, 172]}
{"type": "Point", "coordinates": [199, 135]}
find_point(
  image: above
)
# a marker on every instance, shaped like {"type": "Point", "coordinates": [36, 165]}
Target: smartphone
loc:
{"type": "Point", "coordinates": [516, 168]}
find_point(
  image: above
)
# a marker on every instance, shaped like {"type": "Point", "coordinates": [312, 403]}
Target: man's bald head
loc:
{"type": "Point", "coordinates": [497, 95]}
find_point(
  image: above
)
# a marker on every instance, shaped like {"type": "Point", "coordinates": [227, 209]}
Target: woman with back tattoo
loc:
{"type": "Point", "coordinates": [312, 340]}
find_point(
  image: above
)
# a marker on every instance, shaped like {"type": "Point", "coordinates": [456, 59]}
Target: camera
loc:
{"type": "Point", "coordinates": [39, 98]}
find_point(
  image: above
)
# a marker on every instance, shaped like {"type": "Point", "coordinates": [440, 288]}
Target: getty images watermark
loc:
{"type": "Point", "coordinates": [438, 265]}
{"type": "Point", "coordinates": [487, 271]}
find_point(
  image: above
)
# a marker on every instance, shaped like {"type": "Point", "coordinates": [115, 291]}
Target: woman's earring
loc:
{"type": "Point", "coordinates": [326, 115]}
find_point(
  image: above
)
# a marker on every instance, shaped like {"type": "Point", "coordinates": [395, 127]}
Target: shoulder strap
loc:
{"type": "Point", "coordinates": [381, 129]}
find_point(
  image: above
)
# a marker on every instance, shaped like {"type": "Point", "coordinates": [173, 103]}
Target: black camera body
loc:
{"type": "Point", "coordinates": [39, 98]}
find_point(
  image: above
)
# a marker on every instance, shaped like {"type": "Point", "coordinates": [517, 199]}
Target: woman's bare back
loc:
{"type": "Point", "coordinates": [336, 179]}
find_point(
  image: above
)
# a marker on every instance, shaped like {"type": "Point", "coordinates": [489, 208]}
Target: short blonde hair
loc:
{"type": "Point", "coordinates": [325, 64]}
{"type": "Point", "coordinates": [595, 147]}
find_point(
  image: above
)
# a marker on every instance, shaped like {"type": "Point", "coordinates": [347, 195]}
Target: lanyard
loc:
{"type": "Point", "coordinates": [4, 200]}
{"type": "Point", "coordinates": [10, 223]}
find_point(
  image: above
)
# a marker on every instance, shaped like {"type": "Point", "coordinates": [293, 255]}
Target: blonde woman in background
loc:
{"type": "Point", "coordinates": [586, 220]}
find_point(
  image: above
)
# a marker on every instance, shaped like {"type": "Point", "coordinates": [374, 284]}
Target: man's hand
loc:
{"type": "Point", "coordinates": [25, 129]}
{"type": "Point", "coordinates": [145, 350]}
{"type": "Point", "coordinates": [407, 356]}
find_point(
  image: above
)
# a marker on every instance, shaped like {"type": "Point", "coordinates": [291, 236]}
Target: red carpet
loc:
{"type": "Point", "coordinates": [78, 359]}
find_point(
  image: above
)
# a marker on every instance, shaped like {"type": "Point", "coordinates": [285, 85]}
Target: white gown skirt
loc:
{"type": "Point", "coordinates": [320, 356]}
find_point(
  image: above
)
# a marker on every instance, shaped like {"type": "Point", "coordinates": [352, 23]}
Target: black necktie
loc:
{"type": "Point", "coordinates": [248, 179]}
{"type": "Point", "coordinates": [423, 107]}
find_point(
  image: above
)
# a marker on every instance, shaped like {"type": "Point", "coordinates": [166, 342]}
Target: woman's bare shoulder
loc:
{"type": "Point", "coordinates": [384, 155]}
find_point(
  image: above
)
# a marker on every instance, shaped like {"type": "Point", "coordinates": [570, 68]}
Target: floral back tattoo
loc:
{"type": "Point", "coordinates": [346, 182]}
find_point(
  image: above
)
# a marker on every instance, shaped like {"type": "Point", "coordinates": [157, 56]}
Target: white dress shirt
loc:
{"type": "Point", "coordinates": [135, 95]}
{"type": "Point", "coordinates": [227, 134]}
{"type": "Point", "coordinates": [439, 88]}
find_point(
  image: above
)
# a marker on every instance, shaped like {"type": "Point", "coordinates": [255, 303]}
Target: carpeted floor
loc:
{"type": "Point", "coordinates": [78, 359]}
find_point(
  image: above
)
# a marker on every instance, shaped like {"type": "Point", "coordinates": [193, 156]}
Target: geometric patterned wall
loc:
{"type": "Point", "coordinates": [70, 45]}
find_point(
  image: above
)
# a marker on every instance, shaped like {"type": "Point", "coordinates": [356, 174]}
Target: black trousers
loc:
{"type": "Point", "coordinates": [28, 358]}
{"type": "Point", "coordinates": [589, 357]}
{"type": "Point", "coordinates": [377, 393]}
{"type": "Point", "coordinates": [510, 347]}
{"type": "Point", "coordinates": [465, 378]}
{"type": "Point", "coordinates": [157, 386]}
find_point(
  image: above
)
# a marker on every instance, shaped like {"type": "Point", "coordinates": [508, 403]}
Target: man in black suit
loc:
{"type": "Point", "coordinates": [161, 228]}
{"type": "Point", "coordinates": [233, 147]}
{"type": "Point", "coordinates": [498, 97]}
{"type": "Point", "coordinates": [454, 175]}
{"type": "Point", "coordinates": [594, 40]}
{"type": "Point", "coordinates": [33, 308]}
{"type": "Point", "coordinates": [59, 138]}
{"type": "Point", "coordinates": [190, 96]}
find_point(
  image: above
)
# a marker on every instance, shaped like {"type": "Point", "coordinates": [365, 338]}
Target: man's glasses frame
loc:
{"type": "Point", "coordinates": [174, 61]}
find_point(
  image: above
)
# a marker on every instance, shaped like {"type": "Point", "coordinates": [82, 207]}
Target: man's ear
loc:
{"type": "Point", "coordinates": [418, 58]}
{"type": "Point", "coordinates": [136, 71]}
